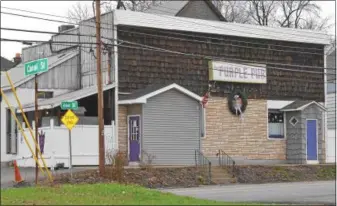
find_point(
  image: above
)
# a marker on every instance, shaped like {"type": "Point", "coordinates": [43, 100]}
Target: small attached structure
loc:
{"type": "Point", "coordinates": [305, 132]}
{"type": "Point", "coordinates": [164, 122]}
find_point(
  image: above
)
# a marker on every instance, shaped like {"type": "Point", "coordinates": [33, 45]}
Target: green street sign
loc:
{"type": "Point", "coordinates": [35, 67]}
{"type": "Point", "coordinates": [73, 105]}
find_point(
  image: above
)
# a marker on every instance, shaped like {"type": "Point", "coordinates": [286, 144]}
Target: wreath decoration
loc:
{"type": "Point", "coordinates": [237, 103]}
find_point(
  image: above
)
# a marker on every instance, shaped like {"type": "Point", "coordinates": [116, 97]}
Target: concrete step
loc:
{"type": "Point", "coordinates": [221, 176]}
{"type": "Point", "coordinates": [224, 180]}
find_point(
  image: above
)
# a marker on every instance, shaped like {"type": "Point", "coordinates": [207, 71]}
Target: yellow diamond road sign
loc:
{"type": "Point", "coordinates": [69, 119]}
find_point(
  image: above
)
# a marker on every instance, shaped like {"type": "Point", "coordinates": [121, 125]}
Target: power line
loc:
{"type": "Point", "coordinates": [154, 14]}
{"type": "Point", "coordinates": [222, 44]}
{"type": "Point", "coordinates": [182, 53]}
{"type": "Point", "coordinates": [52, 15]}
{"type": "Point", "coordinates": [165, 16]}
{"type": "Point", "coordinates": [225, 59]}
{"type": "Point", "coordinates": [168, 37]}
{"type": "Point", "coordinates": [49, 32]}
{"type": "Point", "coordinates": [277, 68]}
{"type": "Point", "coordinates": [153, 8]}
{"type": "Point", "coordinates": [240, 25]}
{"type": "Point", "coordinates": [26, 41]}
{"type": "Point", "coordinates": [235, 72]}
{"type": "Point", "coordinates": [15, 40]}
{"type": "Point", "coordinates": [212, 57]}
{"type": "Point", "coordinates": [211, 38]}
{"type": "Point", "coordinates": [50, 20]}
{"type": "Point", "coordinates": [200, 56]}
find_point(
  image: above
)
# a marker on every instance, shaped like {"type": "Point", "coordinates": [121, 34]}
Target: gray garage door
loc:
{"type": "Point", "coordinates": [171, 128]}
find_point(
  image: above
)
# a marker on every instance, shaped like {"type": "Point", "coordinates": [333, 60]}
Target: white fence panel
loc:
{"type": "Point", "coordinates": [84, 140]}
{"type": "Point", "coordinates": [331, 146]}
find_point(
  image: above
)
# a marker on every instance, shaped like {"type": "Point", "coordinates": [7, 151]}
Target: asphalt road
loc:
{"type": "Point", "coordinates": [323, 192]}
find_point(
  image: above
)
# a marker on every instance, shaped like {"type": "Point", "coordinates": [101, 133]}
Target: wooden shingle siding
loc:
{"type": "Point", "coordinates": [140, 67]}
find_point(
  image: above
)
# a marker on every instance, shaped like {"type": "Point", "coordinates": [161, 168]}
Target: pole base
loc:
{"type": "Point", "coordinates": [21, 184]}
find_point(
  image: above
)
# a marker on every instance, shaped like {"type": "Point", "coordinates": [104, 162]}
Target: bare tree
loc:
{"type": "Point", "coordinates": [302, 14]}
{"type": "Point", "coordinates": [79, 11]}
{"type": "Point", "coordinates": [247, 12]}
{"type": "Point", "coordinates": [141, 5]}
{"type": "Point", "coordinates": [233, 11]}
{"type": "Point", "coordinates": [262, 12]}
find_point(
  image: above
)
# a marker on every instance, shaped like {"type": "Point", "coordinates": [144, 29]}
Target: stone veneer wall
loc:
{"type": "Point", "coordinates": [122, 129]}
{"type": "Point", "coordinates": [244, 139]}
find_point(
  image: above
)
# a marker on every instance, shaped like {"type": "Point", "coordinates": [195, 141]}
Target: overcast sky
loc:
{"type": "Point", "coordinates": [8, 49]}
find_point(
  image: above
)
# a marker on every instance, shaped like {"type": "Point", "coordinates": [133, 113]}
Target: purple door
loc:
{"type": "Point", "coordinates": [134, 138]}
{"type": "Point", "coordinates": [311, 140]}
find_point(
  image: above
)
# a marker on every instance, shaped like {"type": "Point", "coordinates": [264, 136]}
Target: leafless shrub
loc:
{"type": "Point", "coordinates": [147, 160]}
{"type": "Point", "coordinates": [116, 162]}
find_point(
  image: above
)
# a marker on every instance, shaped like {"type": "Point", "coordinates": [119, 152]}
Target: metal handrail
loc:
{"type": "Point", "coordinates": [225, 160]}
{"type": "Point", "coordinates": [202, 161]}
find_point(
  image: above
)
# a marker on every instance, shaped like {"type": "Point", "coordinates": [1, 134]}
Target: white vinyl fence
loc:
{"type": "Point", "coordinates": [84, 141]}
{"type": "Point", "coordinates": [331, 147]}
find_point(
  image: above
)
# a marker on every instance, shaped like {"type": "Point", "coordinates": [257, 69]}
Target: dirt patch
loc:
{"type": "Point", "coordinates": [269, 174]}
{"type": "Point", "coordinates": [154, 178]}
{"type": "Point", "coordinates": [193, 177]}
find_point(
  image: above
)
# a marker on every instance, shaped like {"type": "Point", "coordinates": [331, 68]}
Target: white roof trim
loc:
{"type": "Point", "coordinates": [141, 19]}
{"type": "Point", "coordinates": [277, 104]}
{"type": "Point", "coordinates": [143, 99]}
{"type": "Point", "coordinates": [304, 106]}
{"type": "Point", "coordinates": [52, 66]}
{"type": "Point", "coordinates": [57, 99]}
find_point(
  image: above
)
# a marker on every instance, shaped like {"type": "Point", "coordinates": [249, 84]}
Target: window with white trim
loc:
{"type": "Point", "coordinates": [275, 125]}
{"type": "Point", "coordinates": [331, 87]}
{"type": "Point", "coordinates": [45, 95]}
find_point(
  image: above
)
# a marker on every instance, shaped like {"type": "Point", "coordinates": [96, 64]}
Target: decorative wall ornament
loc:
{"type": "Point", "coordinates": [237, 103]}
{"type": "Point", "coordinates": [42, 137]}
{"type": "Point", "coordinates": [204, 100]}
{"type": "Point", "coordinates": [293, 121]}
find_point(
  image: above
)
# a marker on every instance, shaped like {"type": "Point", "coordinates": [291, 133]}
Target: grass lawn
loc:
{"type": "Point", "coordinates": [97, 194]}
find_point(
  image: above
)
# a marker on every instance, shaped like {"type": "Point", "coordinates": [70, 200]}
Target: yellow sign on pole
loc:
{"type": "Point", "coordinates": [69, 119]}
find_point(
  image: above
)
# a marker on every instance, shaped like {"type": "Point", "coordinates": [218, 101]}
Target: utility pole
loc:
{"type": "Point", "coordinates": [36, 127]}
{"type": "Point", "coordinates": [100, 91]}
{"type": "Point", "coordinates": [36, 130]}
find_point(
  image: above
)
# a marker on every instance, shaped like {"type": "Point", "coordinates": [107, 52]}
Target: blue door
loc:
{"type": "Point", "coordinates": [312, 140]}
{"type": "Point", "coordinates": [134, 138]}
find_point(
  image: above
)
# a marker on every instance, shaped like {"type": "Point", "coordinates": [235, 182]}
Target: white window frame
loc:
{"type": "Point", "coordinates": [284, 125]}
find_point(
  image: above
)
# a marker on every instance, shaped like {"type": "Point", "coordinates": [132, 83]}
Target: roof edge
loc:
{"type": "Point", "coordinates": [143, 99]}
{"type": "Point", "coordinates": [215, 10]}
{"type": "Point", "coordinates": [16, 84]}
{"type": "Point", "coordinates": [53, 105]}
{"type": "Point", "coordinates": [303, 107]}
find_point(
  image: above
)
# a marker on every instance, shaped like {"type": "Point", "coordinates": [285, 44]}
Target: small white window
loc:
{"type": "Point", "coordinates": [275, 125]}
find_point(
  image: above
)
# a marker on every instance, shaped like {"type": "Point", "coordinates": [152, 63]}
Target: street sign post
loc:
{"type": "Point", "coordinates": [73, 105]}
{"type": "Point", "coordinates": [35, 67]}
{"type": "Point", "coordinates": [70, 120]}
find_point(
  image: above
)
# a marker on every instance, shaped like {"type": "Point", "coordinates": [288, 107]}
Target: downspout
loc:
{"type": "Point", "coordinates": [115, 62]}
{"type": "Point", "coordinates": [325, 132]}
{"type": "Point", "coordinates": [79, 59]}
